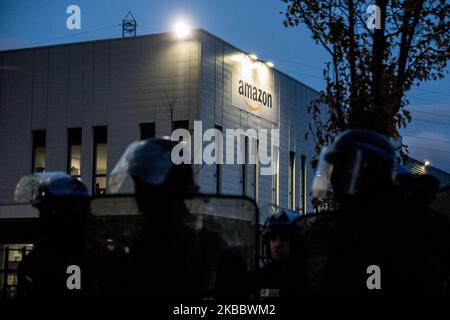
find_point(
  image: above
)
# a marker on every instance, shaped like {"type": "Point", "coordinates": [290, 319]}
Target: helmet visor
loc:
{"type": "Point", "coordinates": [121, 170]}
{"type": "Point", "coordinates": [338, 172]}
{"type": "Point", "coordinates": [147, 160]}
{"type": "Point", "coordinates": [32, 187]}
{"type": "Point", "coordinates": [26, 188]}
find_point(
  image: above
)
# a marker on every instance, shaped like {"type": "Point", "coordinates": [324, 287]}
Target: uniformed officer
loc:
{"type": "Point", "coordinates": [63, 204]}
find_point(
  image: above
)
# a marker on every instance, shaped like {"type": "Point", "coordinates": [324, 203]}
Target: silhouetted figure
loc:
{"type": "Point", "coordinates": [63, 204]}
{"type": "Point", "coordinates": [370, 225]}
{"type": "Point", "coordinates": [430, 231]}
{"type": "Point", "coordinates": [171, 258]}
{"type": "Point", "coordinates": [284, 275]}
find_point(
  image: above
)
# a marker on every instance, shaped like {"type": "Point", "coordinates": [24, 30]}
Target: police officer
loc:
{"type": "Point", "coordinates": [168, 261]}
{"type": "Point", "coordinates": [284, 274]}
{"type": "Point", "coordinates": [419, 190]}
{"type": "Point", "coordinates": [365, 228]}
{"type": "Point", "coordinates": [430, 230]}
{"type": "Point", "coordinates": [56, 265]}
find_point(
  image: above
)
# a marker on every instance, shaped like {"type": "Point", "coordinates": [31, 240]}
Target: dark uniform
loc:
{"type": "Point", "coordinates": [373, 225]}
{"type": "Point", "coordinates": [63, 204]}
{"type": "Point", "coordinates": [284, 276]}
{"type": "Point", "coordinates": [430, 232]}
{"type": "Point", "coordinates": [175, 257]}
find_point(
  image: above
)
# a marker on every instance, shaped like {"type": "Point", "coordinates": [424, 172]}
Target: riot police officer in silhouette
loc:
{"type": "Point", "coordinates": [168, 262]}
{"type": "Point", "coordinates": [63, 204]}
{"type": "Point", "coordinates": [430, 230]}
{"type": "Point", "coordinates": [367, 225]}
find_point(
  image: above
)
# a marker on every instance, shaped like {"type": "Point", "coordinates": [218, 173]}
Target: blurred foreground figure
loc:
{"type": "Point", "coordinates": [63, 204]}
{"type": "Point", "coordinates": [431, 230]}
{"type": "Point", "coordinates": [284, 275]}
{"type": "Point", "coordinates": [371, 244]}
{"type": "Point", "coordinates": [170, 259]}
{"type": "Point", "coordinates": [418, 190]}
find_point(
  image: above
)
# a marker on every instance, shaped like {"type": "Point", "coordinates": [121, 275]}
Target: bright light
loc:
{"type": "Point", "coordinates": [269, 64]}
{"type": "Point", "coordinates": [246, 67]}
{"type": "Point", "coordinates": [263, 73]}
{"type": "Point", "coordinates": [253, 56]}
{"type": "Point", "coordinates": [237, 57]}
{"type": "Point", "coordinates": [427, 163]}
{"type": "Point", "coordinates": [182, 30]}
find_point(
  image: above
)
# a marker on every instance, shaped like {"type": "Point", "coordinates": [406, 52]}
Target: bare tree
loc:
{"type": "Point", "coordinates": [170, 108]}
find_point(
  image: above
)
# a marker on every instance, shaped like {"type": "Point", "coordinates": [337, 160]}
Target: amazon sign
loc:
{"type": "Point", "coordinates": [252, 88]}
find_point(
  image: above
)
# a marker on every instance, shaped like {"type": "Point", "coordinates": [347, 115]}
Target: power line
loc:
{"type": "Point", "coordinates": [74, 35]}
{"type": "Point", "coordinates": [432, 121]}
{"type": "Point", "coordinates": [433, 92]}
{"type": "Point", "coordinates": [305, 74]}
{"type": "Point", "coordinates": [427, 149]}
{"type": "Point", "coordinates": [292, 62]}
{"type": "Point", "coordinates": [433, 113]}
{"type": "Point", "coordinates": [423, 138]}
{"type": "Point", "coordinates": [427, 100]}
{"type": "Point", "coordinates": [148, 28]}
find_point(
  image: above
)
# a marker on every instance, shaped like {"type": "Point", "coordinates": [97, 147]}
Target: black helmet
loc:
{"type": "Point", "coordinates": [281, 221]}
{"type": "Point", "coordinates": [359, 162]}
{"type": "Point", "coordinates": [149, 163]}
{"type": "Point", "coordinates": [52, 189]}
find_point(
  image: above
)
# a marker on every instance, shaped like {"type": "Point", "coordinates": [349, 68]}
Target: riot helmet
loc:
{"type": "Point", "coordinates": [158, 183]}
{"type": "Point", "coordinates": [150, 165]}
{"type": "Point", "coordinates": [52, 190]}
{"type": "Point", "coordinates": [62, 200]}
{"type": "Point", "coordinates": [278, 233]}
{"type": "Point", "coordinates": [360, 163]}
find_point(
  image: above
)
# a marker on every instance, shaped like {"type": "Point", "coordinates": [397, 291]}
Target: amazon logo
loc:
{"type": "Point", "coordinates": [257, 96]}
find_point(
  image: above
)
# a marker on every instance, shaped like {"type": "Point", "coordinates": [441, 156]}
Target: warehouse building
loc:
{"type": "Point", "coordinates": [75, 108]}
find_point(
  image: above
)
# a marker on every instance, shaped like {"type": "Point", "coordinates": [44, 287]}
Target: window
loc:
{"type": "Point", "coordinates": [181, 124]}
{"type": "Point", "coordinates": [147, 130]}
{"type": "Point", "coordinates": [250, 166]}
{"type": "Point", "coordinates": [275, 189]}
{"type": "Point", "coordinates": [10, 257]}
{"type": "Point", "coordinates": [244, 167]}
{"type": "Point", "coordinates": [38, 156]}
{"type": "Point", "coordinates": [100, 160]}
{"type": "Point", "coordinates": [291, 180]}
{"type": "Point", "coordinates": [256, 173]}
{"type": "Point", "coordinates": [303, 184]}
{"type": "Point", "coordinates": [74, 152]}
{"type": "Point", "coordinates": [275, 198]}
{"type": "Point", "coordinates": [218, 173]}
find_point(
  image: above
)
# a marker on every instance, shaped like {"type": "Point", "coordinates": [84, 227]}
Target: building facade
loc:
{"type": "Point", "coordinates": [76, 107]}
